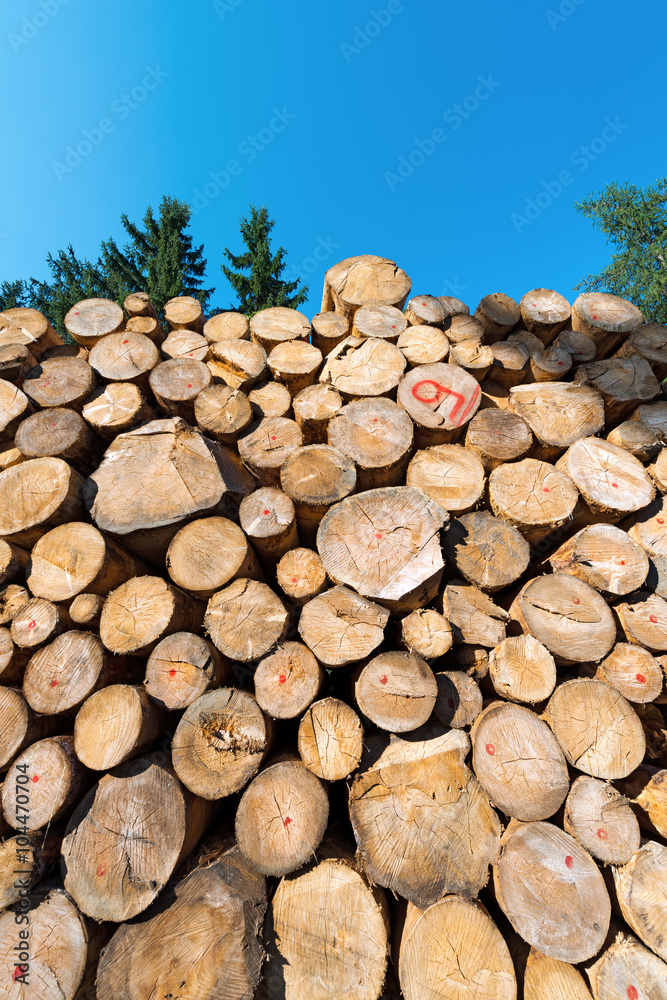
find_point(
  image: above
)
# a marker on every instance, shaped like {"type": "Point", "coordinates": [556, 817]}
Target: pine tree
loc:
{"type": "Point", "coordinates": [71, 280]}
{"type": "Point", "coordinates": [13, 294]}
{"type": "Point", "coordinates": [262, 287]}
{"type": "Point", "coordinates": [635, 223]}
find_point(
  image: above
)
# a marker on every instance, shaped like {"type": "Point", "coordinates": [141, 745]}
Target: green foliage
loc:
{"type": "Point", "coordinates": [262, 287]}
{"type": "Point", "coordinates": [635, 223]}
{"type": "Point", "coordinates": [13, 294]}
{"type": "Point", "coordinates": [71, 280]}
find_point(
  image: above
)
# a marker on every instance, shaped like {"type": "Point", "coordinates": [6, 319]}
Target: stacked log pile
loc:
{"type": "Point", "coordinates": [333, 655]}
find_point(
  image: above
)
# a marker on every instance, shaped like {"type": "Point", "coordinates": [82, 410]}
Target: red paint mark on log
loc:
{"type": "Point", "coordinates": [441, 391]}
{"type": "Point", "coordinates": [615, 485]}
{"type": "Point", "coordinates": [189, 385]}
{"type": "Point", "coordinates": [490, 749]}
{"type": "Point", "coordinates": [282, 679]}
{"type": "Point", "coordinates": [54, 684]}
{"type": "Point", "coordinates": [383, 680]}
{"type": "Point", "coordinates": [266, 512]}
{"type": "Point", "coordinates": [569, 861]}
{"type": "Point", "coordinates": [545, 489]}
{"type": "Point", "coordinates": [640, 678]}
{"type": "Point", "coordinates": [172, 672]}
{"type": "Point", "coordinates": [32, 623]}
{"type": "Point", "coordinates": [126, 341]}
{"type": "Point", "coordinates": [632, 993]}
{"type": "Point", "coordinates": [660, 520]}
{"type": "Point", "coordinates": [35, 778]}
{"type": "Point", "coordinates": [273, 437]}
{"type": "Point", "coordinates": [294, 579]}
{"type": "Point", "coordinates": [378, 534]}
{"type": "Point", "coordinates": [595, 317]}
{"type": "Point", "coordinates": [602, 834]}
{"type": "Point", "coordinates": [287, 820]}
{"type": "Point", "coordinates": [622, 562]}
{"type": "Point", "coordinates": [101, 870]}
{"type": "Point", "coordinates": [577, 600]}
{"type": "Point", "coordinates": [653, 618]}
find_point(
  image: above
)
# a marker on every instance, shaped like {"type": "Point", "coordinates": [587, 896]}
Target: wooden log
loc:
{"type": "Point", "coordinates": [40, 621]}
{"type": "Point", "coordinates": [611, 481]}
{"type": "Point", "coordinates": [328, 330]}
{"type": "Point", "coordinates": [220, 742]}
{"type": "Point", "coordinates": [60, 676]}
{"type": "Point", "coordinates": [22, 325]}
{"type": "Point", "coordinates": [633, 671]}
{"type": "Point", "coordinates": [453, 949]}
{"type": "Point", "coordinates": [650, 342]}
{"type": "Point", "coordinates": [184, 312]}
{"type": "Point", "coordinates": [421, 835]}
{"type": "Point", "coordinates": [314, 408]}
{"type": "Point", "coordinates": [140, 803]}
{"type": "Point", "coordinates": [144, 610]}
{"type": "Point", "coordinates": [56, 780]}
{"type": "Point", "coordinates": [451, 475]}
{"type": "Point", "coordinates": [423, 345]}
{"type": "Point", "coordinates": [77, 557]}
{"type": "Point", "coordinates": [268, 519]}
{"type": "Point", "coordinates": [138, 304]}
{"type": "Point", "coordinates": [454, 306]}
{"type": "Point", "coordinates": [426, 310]}
{"type": "Point", "coordinates": [641, 890]}
{"type": "Point", "coordinates": [623, 383]}
{"type": "Point", "coordinates": [376, 435]}
{"type": "Point", "coordinates": [567, 616]}
{"type": "Point", "coordinates": [653, 416]}
{"type": "Point", "coordinates": [223, 413]}
{"type": "Point", "coordinates": [459, 700]}
{"type": "Point", "coordinates": [124, 357]}
{"type": "Point", "coordinates": [494, 396]}
{"type": "Point", "coordinates": [226, 326]}
{"type": "Point", "coordinates": [656, 581]}
{"type": "Point", "coordinates": [9, 455]}
{"type": "Point", "coordinates": [474, 618]}
{"type": "Point", "coordinates": [20, 727]}
{"type": "Point", "coordinates": [222, 901]}
{"type": "Point", "coordinates": [385, 544]}
{"type": "Point", "coordinates": [295, 364]}
{"type": "Point", "coordinates": [176, 385]}
{"type": "Point", "coordinates": [287, 681]}
{"type": "Point", "coordinates": [12, 599]}
{"type": "Point", "coordinates": [301, 575]}
{"type": "Point", "coordinates": [91, 319]}
{"type": "Point", "coordinates": [545, 313]}
{"type": "Point", "coordinates": [60, 433]}
{"type": "Point", "coordinates": [498, 436]}
{"type": "Point", "coordinates": [239, 363]}
{"type": "Point", "coordinates": [266, 447]}
{"type": "Point", "coordinates": [511, 363]}
{"type": "Point", "coordinates": [356, 369]}
{"type": "Point", "coordinates": [334, 901]}
{"type": "Point", "coordinates": [543, 978]}
{"type": "Point", "coordinates": [528, 339]}
{"type": "Point", "coordinates": [207, 554]}
{"type": "Point", "coordinates": [116, 409]}
{"type": "Point", "coordinates": [245, 620]}
{"type": "Point", "coordinates": [38, 851]}
{"type": "Point", "coordinates": [184, 344]}
{"type": "Point", "coordinates": [340, 627]}
{"type": "Point", "coordinates": [658, 471]}
{"type": "Point", "coordinates": [552, 892]}
{"type": "Point", "coordinates": [534, 496]}
{"type": "Point", "coordinates": [649, 529]}
{"type": "Point", "coordinates": [653, 800]}
{"type": "Point", "coordinates": [461, 327]}
{"type": "Point", "coordinates": [270, 399]}
{"type": "Point", "coordinates": [486, 551]}
{"type": "Point", "coordinates": [382, 322]}
{"type": "Point", "coordinates": [601, 820]}
{"type": "Point", "coordinates": [13, 659]}
{"type": "Point", "coordinates": [148, 326]}
{"type": "Point", "coordinates": [175, 474]}
{"type": "Point", "coordinates": [558, 414]}
{"type": "Point", "coordinates": [603, 556]}
{"type": "Point", "coordinates": [277, 324]}
{"type": "Point", "coordinates": [426, 633]}
{"type": "Point", "coordinates": [114, 724]}
{"type": "Point", "coordinates": [13, 560]}
{"type": "Point", "coordinates": [627, 969]}
{"type": "Point", "coordinates": [581, 347]}
{"type": "Point", "coordinates": [599, 732]}
{"type": "Point", "coordinates": [440, 399]}
{"type": "Point", "coordinates": [518, 762]}
{"type": "Point", "coordinates": [360, 281]}
{"type": "Point", "coordinates": [396, 691]}
{"type": "Point", "coordinates": [315, 478]}
{"type": "Point", "coordinates": [181, 668]}
{"type": "Point", "coordinates": [281, 818]}
{"type": "Point", "coordinates": [474, 357]}
{"type": "Point", "coordinates": [14, 408]}
{"type": "Point", "coordinates": [643, 618]}
{"type": "Point", "coordinates": [15, 362]}
{"type": "Point", "coordinates": [60, 382]}
{"type": "Point", "coordinates": [522, 669]}
{"type": "Point", "coordinates": [606, 319]}
{"type": "Point", "coordinates": [86, 609]}
{"type": "Point", "coordinates": [550, 365]}
{"type": "Point", "coordinates": [498, 314]}
{"type": "Point", "coordinates": [330, 739]}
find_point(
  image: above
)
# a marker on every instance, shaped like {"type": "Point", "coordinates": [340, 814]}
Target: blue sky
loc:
{"type": "Point", "coordinates": [343, 119]}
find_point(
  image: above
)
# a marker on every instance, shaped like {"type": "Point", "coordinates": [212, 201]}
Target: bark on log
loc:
{"type": "Point", "coordinates": [558, 414]}
{"type": "Point", "coordinates": [360, 281]}
{"type": "Point", "coordinates": [116, 409]}
{"type": "Point", "coordinates": [627, 969]}
{"type": "Point", "coordinates": [422, 823]}
{"type": "Point", "coordinates": [611, 481]}
{"type": "Point", "coordinates": [14, 408]}
{"type": "Point", "coordinates": [239, 363]}
{"type": "Point", "coordinates": [552, 892]}
{"type": "Point", "coordinates": [426, 633]}
{"type": "Point", "coordinates": [340, 627]}
{"type": "Point", "coordinates": [301, 576]}
{"type": "Point", "coordinates": [451, 475]}
{"type": "Point", "coordinates": [287, 681]}
{"type": "Point", "coordinates": [329, 329]}
{"type": "Point", "coordinates": [109, 835]}
{"type": "Point", "coordinates": [453, 949]}
{"type": "Point", "coordinates": [511, 363]}
{"type": "Point", "coordinates": [601, 820]}
{"type": "Point", "coordinates": [606, 319]}
{"type": "Point", "coordinates": [91, 319]}
{"type": "Point", "coordinates": [518, 762]}
{"type": "Point", "coordinates": [370, 368]}
{"type": "Point", "coordinates": [60, 382]}
{"type": "Point", "coordinates": [315, 478]}
{"type": "Point", "coordinates": [124, 357]}
{"type": "Point", "coordinates": [440, 399]}
{"type": "Point", "coordinates": [56, 781]}
{"type": "Point", "coordinates": [267, 446]}
{"type": "Point", "coordinates": [38, 622]}
{"type": "Point", "coordinates": [534, 496]}
{"type": "Point", "coordinates": [220, 743]}
{"type": "Point", "coordinates": [522, 669]}
{"type": "Point", "coordinates": [396, 691]}
{"type": "Point", "coordinates": [60, 433]}
{"type": "Point", "coordinates": [245, 620]}
{"type": "Point", "coordinates": [20, 727]}
{"type": "Point", "coordinates": [598, 730]}
{"type": "Point", "coordinates": [273, 326]}
{"type": "Point", "coordinates": [423, 345]}
{"type": "Point", "coordinates": [641, 890]}
{"type": "Point", "coordinates": [385, 544]}
{"type": "Point", "coordinates": [330, 739]}
{"type": "Point", "coordinates": [486, 551]}
{"type": "Point", "coordinates": [207, 554]}
{"type": "Point", "coordinates": [498, 314]}
{"type": "Point", "coordinates": [604, 557]}
{"type": "Point", "coordinates": [226, 326]}
{"type": "Point", "coordinates": [632, 671]}
{"type": "Point", "coordinates": [376, 435]}
{"type": "Point", "coordinates": [86, 609]}
{"type": "Point", "coordinates": [176, 385]}
{"type": "Point", "coordinates": [144, 610]}
{"type": "Point", "coordinates": [623, 383]}
{"type": "Point", "coordinates": [545, 313]}
{"type": "Point", "coordinates": [313, 409]}
{"type": "Point", "coordinates": [181, 668]}
{"type": "Point", "coordinates": [281, 818]}
{"type": "Point", "coordinates": [474, 618]}
{"type": "Point", "coordinates": [643, 618]}
{"type": "Point", "coordinates": [269, 399]}
{"type": "Point", "coordinates": [268, 519]}
{"type": "Point", "coordinates": [295, 364]}
{"type": "Point", "coordinates": [567, 616]}
{"type": "Point", "coordinates": [498, 436]}
{"type": "Point", "coordinates": [114, 724]}
{"type": "Point", "coordinates": [223, 413]}
{"type": "Point", "coordinates": [459, 700]}
{"type": "Point", "coordinates": [184, 312]}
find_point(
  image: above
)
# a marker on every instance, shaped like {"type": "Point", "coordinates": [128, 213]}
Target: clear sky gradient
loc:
{"type": "Point", "coordinates": [452, 138]}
